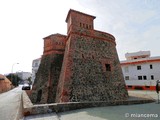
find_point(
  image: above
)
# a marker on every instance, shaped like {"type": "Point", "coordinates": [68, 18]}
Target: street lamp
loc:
{"type": "Point", "coordinates": [12, 66]}
{"type": "Point", "coordinates": [12, 71]}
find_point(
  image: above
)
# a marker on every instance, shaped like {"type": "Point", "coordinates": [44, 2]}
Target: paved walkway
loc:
{"type": "Point", "coordinates": [10, 104]}
{"type": "Point", "coordinates": [123, 112]}
{"type": "Point", "coordinates": [51, 116]}
{"type": "Point", "coordinates": [143, 93]}
{"type": "Point", "coordinates": [150, 111]}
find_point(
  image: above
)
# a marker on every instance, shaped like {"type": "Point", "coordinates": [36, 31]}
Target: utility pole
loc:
{"type": "Point", "coordinates": [12, 71]}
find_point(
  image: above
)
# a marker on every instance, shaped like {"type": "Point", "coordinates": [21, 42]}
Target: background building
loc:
{"type": "Point", "coordinates": [24, 76]}
{"type": "Point", "coordinates": [35, 66]}
{"type": "Point", "coordinates": [140, 70]}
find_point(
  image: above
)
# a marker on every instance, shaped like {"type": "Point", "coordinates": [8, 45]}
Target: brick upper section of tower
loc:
{"type": "Point", "coordinates": [77, 23]}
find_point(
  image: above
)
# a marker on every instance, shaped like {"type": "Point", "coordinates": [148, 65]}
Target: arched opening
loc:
{"type": "Point", "coordinates": [39, 95]}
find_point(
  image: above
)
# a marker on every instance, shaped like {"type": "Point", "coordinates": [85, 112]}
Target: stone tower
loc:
{"type": "Point", "coordinates": [85, 68]}
{"type": "Point", "coordinates": [45, 86]}
{"type": "Point", "coordinates": [91, 69]}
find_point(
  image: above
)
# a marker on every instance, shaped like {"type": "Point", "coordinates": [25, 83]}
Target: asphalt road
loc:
{"type": "Point", "coordinates": [10, 104]}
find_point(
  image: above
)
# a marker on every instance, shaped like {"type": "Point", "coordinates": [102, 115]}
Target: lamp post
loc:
{"type": "Point", "coordinates": [12, 71]}
{"type": "Point", "coordinates": [12, 66]}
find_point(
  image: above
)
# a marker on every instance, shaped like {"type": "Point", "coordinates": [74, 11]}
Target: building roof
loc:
{"type": "Point", "coordinates": [141, 60]}
{"type": "Point", "coordinates": [137, 54]}
{"type": "Point", "coordinates": [56, 34]}
{"type": "Point", "coordinates": [71, 10]}
{"type": "Point", "coordinates": [37, 59]}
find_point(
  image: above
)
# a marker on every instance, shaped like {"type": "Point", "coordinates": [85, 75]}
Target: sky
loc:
{"type": "Point", "coordinates": [24, 23]}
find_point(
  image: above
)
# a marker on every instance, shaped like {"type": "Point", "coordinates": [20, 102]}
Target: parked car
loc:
{"type": "Point", "coordinates": [26, 87]}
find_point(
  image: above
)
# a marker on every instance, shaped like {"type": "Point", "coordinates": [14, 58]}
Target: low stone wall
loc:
{"type": "Point", "coordinates": [30, 109]}
{"type": "Point", "coordinates": [27, 104]}
{"type": "Point", "coordinates": [19, 114]}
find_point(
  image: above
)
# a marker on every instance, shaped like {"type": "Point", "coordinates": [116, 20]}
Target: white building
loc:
{"type": "Point", "coordinates": [35, 66]}
{"type": "Point", "coordinates": [23, 75]}
{"type": "Point", "coordinates": [140, 70]}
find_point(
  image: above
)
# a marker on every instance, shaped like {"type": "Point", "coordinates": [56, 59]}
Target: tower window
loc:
{"type": "Point", "coordinates": [151, 67]}
{"type": "Point", "coordinates": [83, 25]}
{"type": "Point", "coordinates": [108, 67]}
{"type": "Point", "coordinates": [86, 26]}
{"type": "Point", "coordinates": [152, 77]}
{"type": "Point", "coordinates": [138, 67]}
{"type": "Point", "coordinates": [36, 64]}
{"type": "Point", "coordinates": [139, 77]}
{"type": "Point", "coordinates": [126, 69]}
{"type": "Point", "coordinates": [80, 24]}
{"type": "Point", "coordinates": [144, 77]}
{"type": "Point", "coordinates": [126, 77]}
{"type": "Point", "coordinates": [90, 27]}
{"type": "Point", "coordinates": [39, 96]}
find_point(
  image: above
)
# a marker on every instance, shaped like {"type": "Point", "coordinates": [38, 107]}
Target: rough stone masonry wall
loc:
{"type": "Point", "coordinates": [5, 84]}
{"type": "Point", "coordinates": [88, 79]}
{"type": "Point", "coordinates": [45, 86]}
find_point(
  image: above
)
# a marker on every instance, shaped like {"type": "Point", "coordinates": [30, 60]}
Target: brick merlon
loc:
{"type": "Point", "coordinates": [71, 10]}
